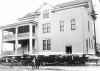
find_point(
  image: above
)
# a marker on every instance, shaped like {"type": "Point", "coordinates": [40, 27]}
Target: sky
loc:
{"type": "Point", "coordinates": [11, 10]}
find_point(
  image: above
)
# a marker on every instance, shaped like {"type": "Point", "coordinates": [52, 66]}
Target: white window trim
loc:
{"type": "Point", "coordinates": [46, 44]}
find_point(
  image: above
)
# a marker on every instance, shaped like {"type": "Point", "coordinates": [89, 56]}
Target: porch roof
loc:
{"type": "Point", "coordinates": [16, 24]}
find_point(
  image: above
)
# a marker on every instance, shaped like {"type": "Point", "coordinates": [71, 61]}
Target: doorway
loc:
{"type": "Point", "coordinates": [68, 49]}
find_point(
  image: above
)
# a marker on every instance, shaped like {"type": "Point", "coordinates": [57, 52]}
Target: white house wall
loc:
{"type": "Point", "coordinates": [88, 34]}
{"type": "Point", "coordinates": [60, 39]}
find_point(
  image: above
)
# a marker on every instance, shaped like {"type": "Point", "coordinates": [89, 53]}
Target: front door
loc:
{"type": "Point", "coordinates": [68, 49]}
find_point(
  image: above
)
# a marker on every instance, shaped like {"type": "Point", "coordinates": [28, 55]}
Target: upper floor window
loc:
{"type": "Point", "coordinates": [44, 28]}
{"type": "Point", "coordinates": [33, 29]}
{"type": "Point", "coordinates": [48, 27]}
{"type": "Point", "coordinates": [88, 26]}
{"type": "Point", "coordinates": [73, 27]}
{"type": "Point", "coordinates": [46, 14]}
{"type": "Point", "coordinates": [61, 25]}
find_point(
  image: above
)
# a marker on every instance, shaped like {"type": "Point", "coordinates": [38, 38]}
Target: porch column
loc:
{"type": "Point", "coordinates": [36, 41]}
{"type": "Point", "coordinates": [2, 42]}
{"type": "Point", "coordinates": [16, 40]}
{"type": "Point", "coordinates": [30, 38]}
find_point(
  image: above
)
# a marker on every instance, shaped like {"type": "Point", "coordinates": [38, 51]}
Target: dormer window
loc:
{"type": "Point", "coordinates": [46, 14]}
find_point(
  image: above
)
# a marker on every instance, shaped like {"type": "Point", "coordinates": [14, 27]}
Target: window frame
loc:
{"type": "Point", "coordinates": [33, 29]}
{"type": "Point", "coordinates": [44, 28]}
{"type": "Point", "coordinates": [46, 14]}
{"type": "Point", "coordinates": [49, 44]}
{"type": "Point", "coordinates": [44, 44]}
{"type": "Point", "coordinates": [73, 24]}
{"type": "Point", "coordinates": [48, 27]}
{"type": "Point", "coordinates": [88, 26]}
{"type": "Point", "coordinates": [92, 43]}
{"type": "Point", "coordinates": [89, 44]}
{"type": "Point", "coordinates": [61, 26]}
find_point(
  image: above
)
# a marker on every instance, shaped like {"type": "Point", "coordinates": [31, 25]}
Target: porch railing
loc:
{"type": "Point", "coordinates": [8, 52]}
{"type": "Point", "coordinates": [9, 37]}
{"type": "Point", "coordinates": [12, 37]}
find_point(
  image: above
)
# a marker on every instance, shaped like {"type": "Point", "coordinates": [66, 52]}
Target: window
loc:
{"type": "Point", "coordinates": [44, 28]}
{"type": "Point", "coordinates": [89, 44]}
{"type": "Point", "coordinates": [47, 44]}
{"type": "Point", "coordinates": [46, 14]}
{"type": "Point", "coordinates": [48, 27]}
{"type": "Point", "coordinates": [92, 44]}
{"type": "Point", "coordinates": [44, 44]}
{"type": "Point", "coordinates": [33, 29]}
{"type": "Point", "coordinates": [73, 24]}
{"type": "Point", "coordinates": [88, 26]}
{"type": "Point", "coordinates": [61, 25]}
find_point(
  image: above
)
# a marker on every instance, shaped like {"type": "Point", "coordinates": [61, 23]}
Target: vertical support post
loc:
{"type": "Point", "coordinates": [30, 38]}
{"type": "Point", "coordinates": [2, 32]}
{"type": "Point", "coordinates": [36, 39]}
{"type": "Point", "coordinates": [16, 40]}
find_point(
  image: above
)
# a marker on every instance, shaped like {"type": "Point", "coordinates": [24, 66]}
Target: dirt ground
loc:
{"type": "Point", "coordinates": [50, 68]}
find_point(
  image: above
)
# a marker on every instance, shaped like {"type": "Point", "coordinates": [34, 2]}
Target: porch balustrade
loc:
{"type": "Point", "coordinates": [12, 37]}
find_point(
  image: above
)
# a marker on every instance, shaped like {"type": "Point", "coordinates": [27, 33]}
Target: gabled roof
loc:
{"type": "Point", "coordinates": [58, 6]}
{"type": "Point", "coordinates": [67, 4]}
{"type": "Point", "coordinates": [36, 11]}
{"type": "Point", "coordinates": [72, 3]}
{"type": "Point", "coordinates": [29, 16]}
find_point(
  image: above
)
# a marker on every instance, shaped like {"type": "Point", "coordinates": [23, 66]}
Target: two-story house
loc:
{"type": "Point", "coordinates": [66, 28]}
